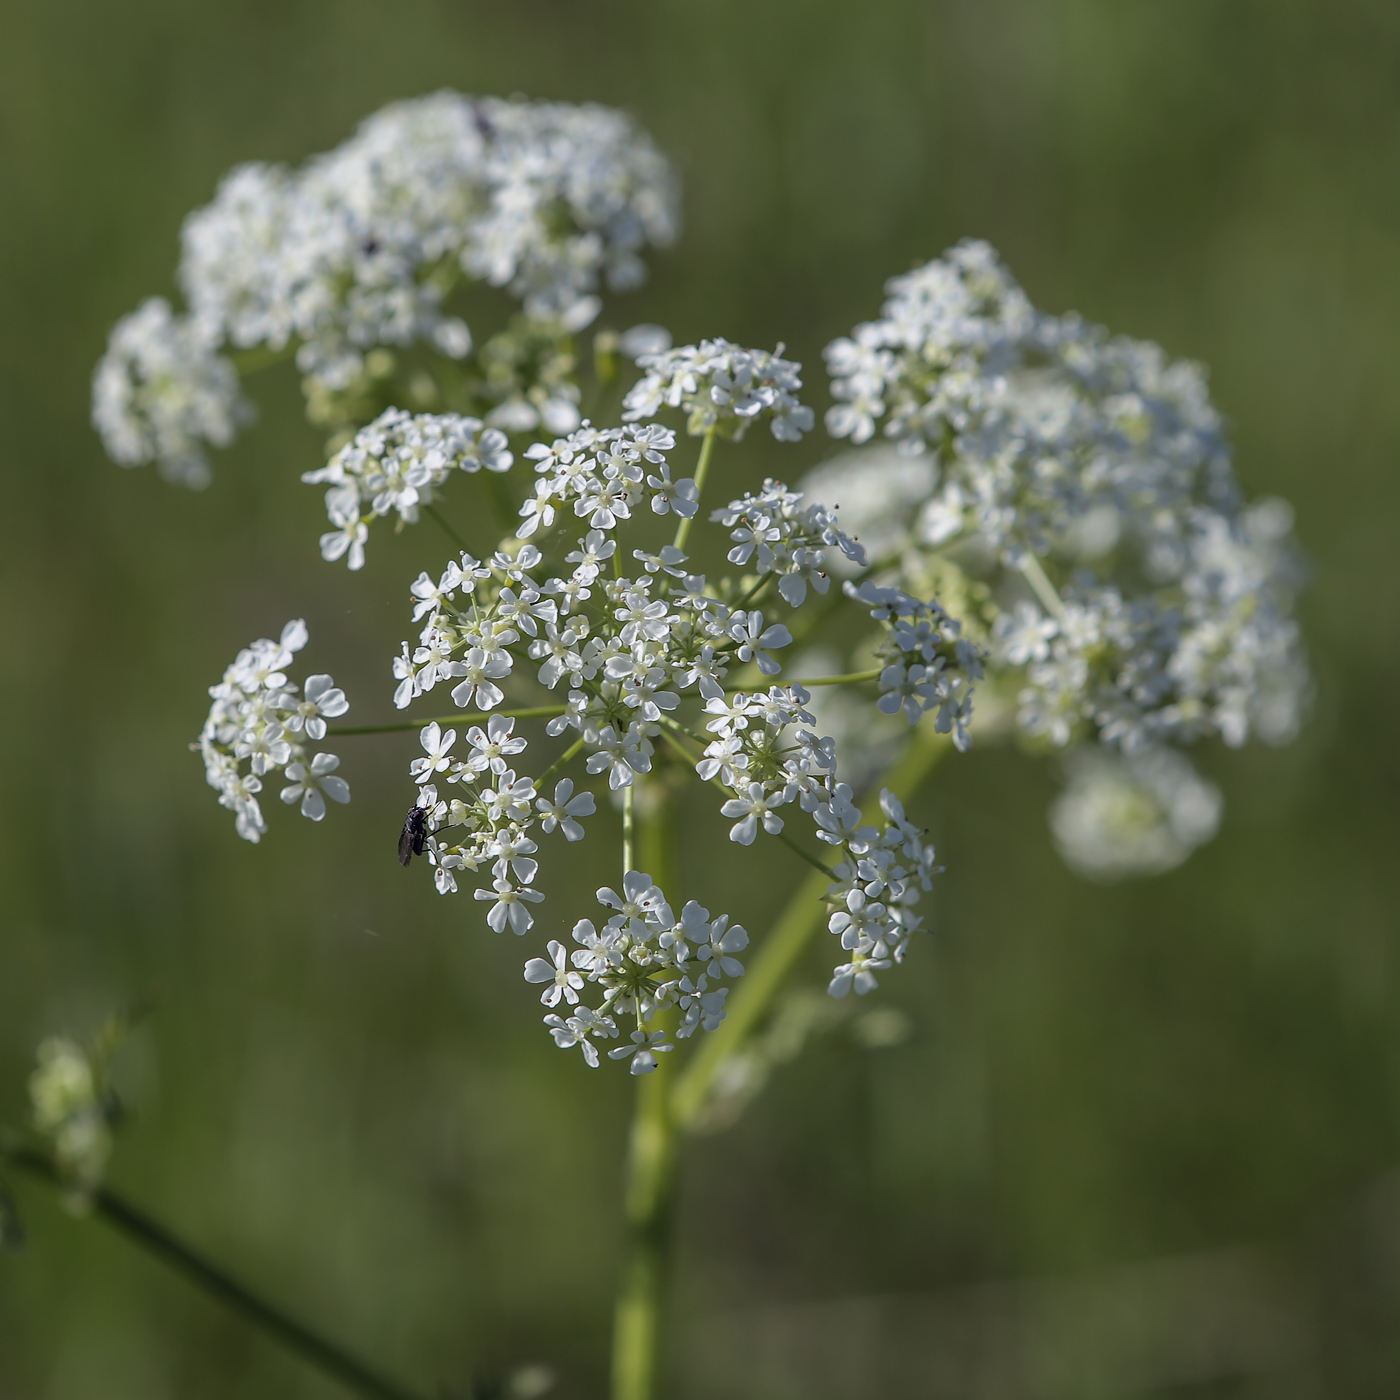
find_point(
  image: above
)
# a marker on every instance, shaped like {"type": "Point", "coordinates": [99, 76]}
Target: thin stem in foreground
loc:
{"type": "Point", "coordinates": [461, 717]}
{"type": "Point", "coordinates": [702, 470]}
{"type": "Point", "coordinates": [160, 1242]}
{"type": "Point", "coordinates": [437, 517]}
{"type": "Point", "coordinates": [1041, 586]}
{"type": "Point", "coordinates": [651, 1163]}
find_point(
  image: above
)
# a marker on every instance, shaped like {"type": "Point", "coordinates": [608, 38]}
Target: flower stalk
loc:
{"type": "Point", "coordinates": [327, 1356]}
{"type": "Point", "coordinates": [650, 1192]}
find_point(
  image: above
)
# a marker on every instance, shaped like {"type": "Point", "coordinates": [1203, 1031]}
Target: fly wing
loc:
{"type": "Point", "coordinates": [409, 842]}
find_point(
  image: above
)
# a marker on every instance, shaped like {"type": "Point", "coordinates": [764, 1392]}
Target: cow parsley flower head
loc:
{"type": "Point", "coordinates": [643, 658]}
{"type": "Point", "coordinates": [365, 247]}
{"type": "Point", "coordinates": [641, 961]}
{"type": "Point", "coordinates": [261, 721]}
{"type": "Point", "coordinates": [723, 387]}
{"type": "Point", "coordinates": [162, 394]}
{"type": "Point", "coordinates": [397, 465]}
{"type": "Point", "coordinates": [357, 248]}
{"type": "Point", "coordinates": [1081, 486]}
{"type": "Point", "coordinates": [1139, 814]}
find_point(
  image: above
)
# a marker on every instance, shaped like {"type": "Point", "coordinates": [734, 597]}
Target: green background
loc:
{"type": "Point", "coordinates": [1141, 1140]}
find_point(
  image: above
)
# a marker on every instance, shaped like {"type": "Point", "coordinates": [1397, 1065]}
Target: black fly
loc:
{"type": "Point", "coordinates": [414, 834]}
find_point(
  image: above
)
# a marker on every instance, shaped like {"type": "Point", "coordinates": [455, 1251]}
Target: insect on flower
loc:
{"type": "Point", "coordinates": [413, 835]}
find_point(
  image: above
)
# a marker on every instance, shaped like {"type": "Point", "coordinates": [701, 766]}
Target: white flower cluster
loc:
{"type": "Point", "coordinates": [926, 664]}
{"type": "Point", "coordinates": [775, 533]}
{"type": "Point", "coordinates": [1139, 814]}
{"type": "Point", "coordinates": [358, 247]}
{"type": "Point", "coordinates": [487, 821]}
{"type": "Point", "coordinates": [721, 386]}
{"type": "Point", "coordinates": [629, 649]}
{"type": "Point", "coordinates": [258, 719]}
{"type": "Point", "coordinates": [361, 247]}
{"type": "Point", "coordinates": [1212, 650]}
{"type": "Point", "coordinates": [397, 463]}
{"type": "Point", "coordinates": [161, 393]}
{"type": "Point", "coordinates": [1034, 419]}
{"type": "Point", "coordinates": [646, 961]}
{"type": "Point", "coordinates": [1086, 482]}
{"type": "Point", "coordinates": [882, 873]}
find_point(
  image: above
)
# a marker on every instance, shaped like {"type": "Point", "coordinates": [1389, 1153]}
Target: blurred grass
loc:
{"type": "Point", "coordinates": [345, 1092]}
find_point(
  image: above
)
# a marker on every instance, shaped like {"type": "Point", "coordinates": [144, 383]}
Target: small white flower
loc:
{"type": "Point", "coordinates": [643, 1050]}
{"type": "Point", "coordinates": [722, 942]}
{"type": "Point", "coordinates": [493, 745]}
{"type": "Point", "coordinates": [858, 973]}
{"type": "Point", "coordinates": [578, 1028]}
{"type": "Point", "coordinates": [437, 746]}
{"type": "Point", "coordinates": [562, 981]}
{"type": "Point", "coordinates": [565, 810]}
{"type": "Point", "coordinates": [750, 807]}
{"type": "Point", "coordinates": [482, 669]}
{"type": "Point", "coordinates": [748, 630]}
{"type": "Point", "coordinates": [508, 908]}
{"type": "Point", "coordinates": [623, 757]}
{"type": "Point", "coordinates": [320, 701]}
{"type": "Point", "coordinates": [641, 899]}
{"type": "Point", "coordinates": [314, 784]}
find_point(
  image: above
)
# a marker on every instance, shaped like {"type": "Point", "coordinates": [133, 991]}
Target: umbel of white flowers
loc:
{"type": "Point", "coordinates": [259, 723]}
{"type": "Point", "coordinates": [1072, 496]}
{"type": "Point", "coordinates": [362, 248]}
{"type": "Point", "coordinates": [629, 646]}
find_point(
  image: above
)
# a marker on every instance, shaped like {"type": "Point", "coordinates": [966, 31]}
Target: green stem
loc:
{"type": "Point", "coordinates": [159, 1241]}
{"type": "Point", "coordinates": [1041, 586]}
{"type": "Point", "coordinates": [779, 952]}
{"type": "Point", "coordinates": [461, 717]}
{"type": "Point", "coordinates": [850, 678]}
{"type": "Point", "coordinates": [650, 1189]}
{"type": "Point", "coordinates": [629, 802]}
{"type": "Point", "coordinates": [810, 859]}
{"type": "Point", "coordinates": [656, 845]}
{"type": "Point", "coordinates": [702, 469]}
{"type": "Point", "coordinates": [651, 1156]}
{"type": "Point", "coordinates": [435, 515]}
{"type": "Point", "coordinates": [558, 763]}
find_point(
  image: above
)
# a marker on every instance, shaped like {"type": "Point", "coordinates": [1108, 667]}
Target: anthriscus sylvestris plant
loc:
{"type": "Point", "coordinates": [1053, 526]}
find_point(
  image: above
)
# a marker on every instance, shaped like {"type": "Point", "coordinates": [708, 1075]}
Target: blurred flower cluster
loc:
{"type": "Point", "coordinates": [1071, 496]}
{"type": "Point", "coordinates": [364, 247]}
{"type": "Point", "coordinates": [74, 1107]}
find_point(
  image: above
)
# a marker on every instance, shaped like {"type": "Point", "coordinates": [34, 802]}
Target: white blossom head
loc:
{"type": "Point", "coordinates": [364, 247]}
{"type": "Point", "coordinates": [1082, 486]}
{"type": "Point", "coordinates": [721, 386]}
{"type": "Point", "coordinates": [162, 394]}
{"type": "Point", "coordinates": [261, 721]}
